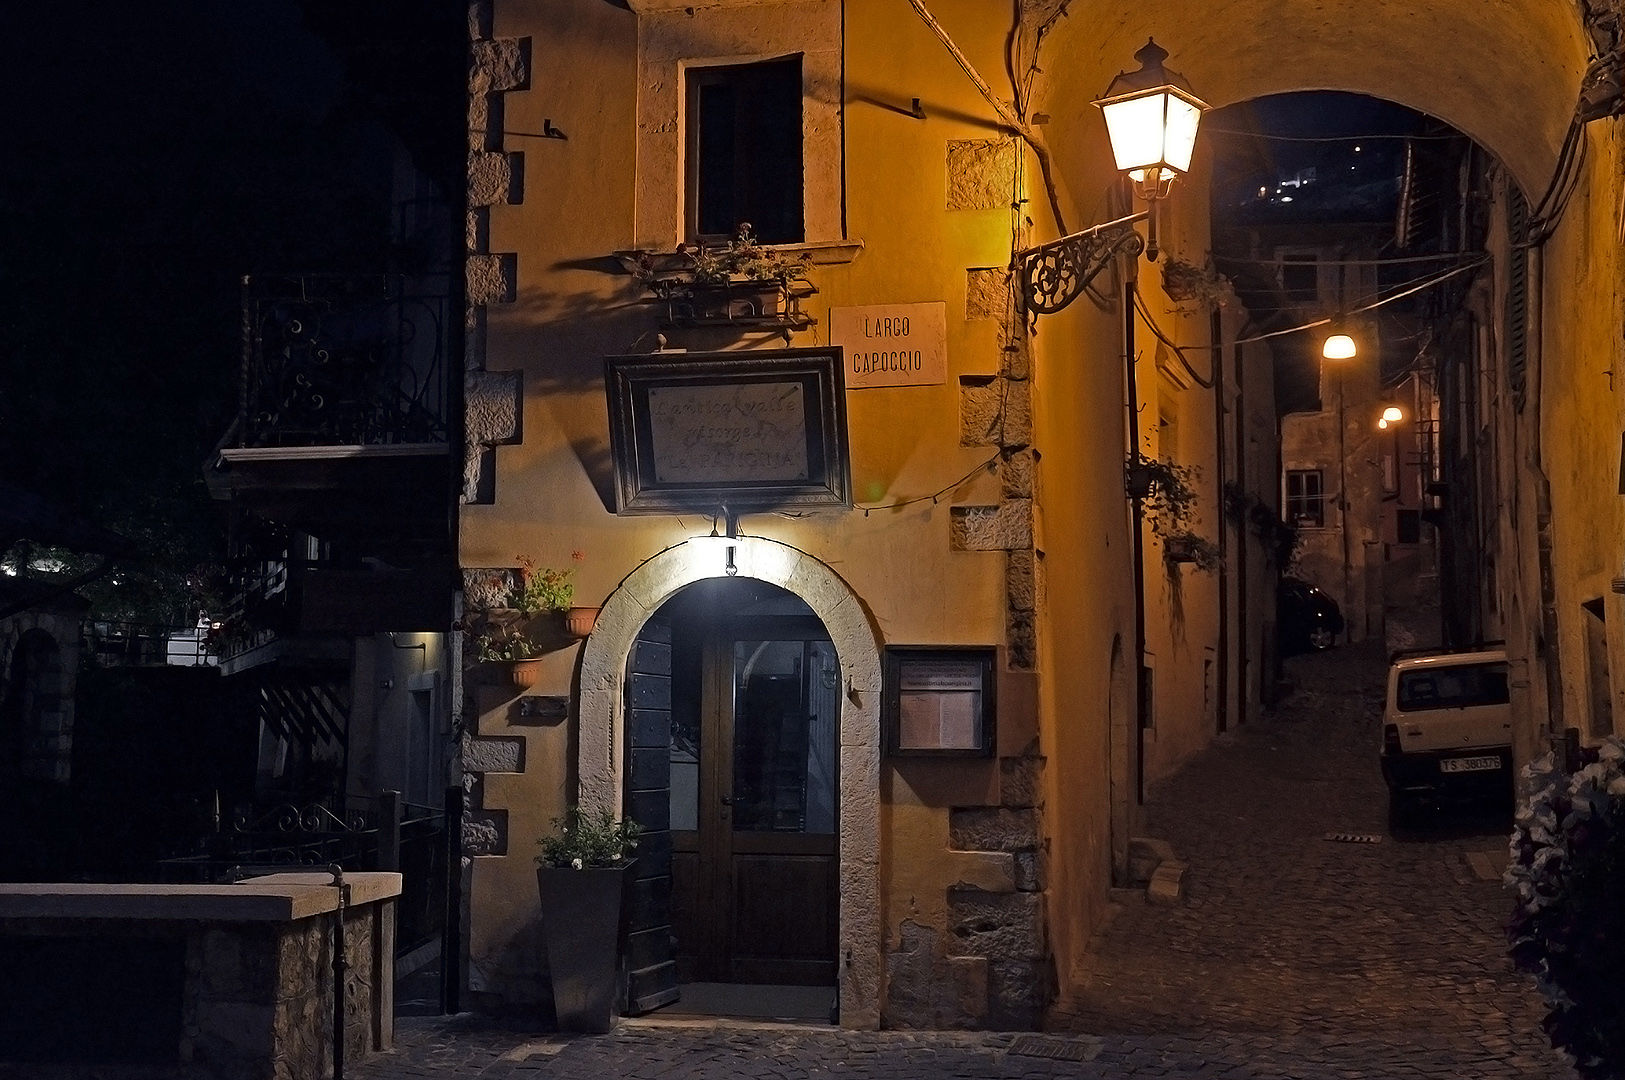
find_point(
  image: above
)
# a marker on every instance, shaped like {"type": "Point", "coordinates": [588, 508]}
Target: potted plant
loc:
{"type": "Point", "coordinates": [1567, 876]}
{"type": "Point", "coordinates": [723, 282]}
{"type": "Point", "coordinates": [514, 654]}
{"type": "Point", "coordinates": [582, 876]}
{"type": "Point", "coordinates": [507, 636]}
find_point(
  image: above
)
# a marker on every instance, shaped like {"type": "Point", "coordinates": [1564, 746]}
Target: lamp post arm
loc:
{"type": "Point", "coordinates": [1006, 111]}
{"type": "Point", "coordinates": [1055, 274]}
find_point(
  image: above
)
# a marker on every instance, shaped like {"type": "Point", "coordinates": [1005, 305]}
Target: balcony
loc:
{"type": "Point", "coordinates": [350, 361]}
{"type": "Point", "coordinates": [349, 387]}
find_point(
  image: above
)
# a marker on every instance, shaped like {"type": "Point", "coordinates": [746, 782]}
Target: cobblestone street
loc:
{"type": "Point", "coordinates": [1292, 956]}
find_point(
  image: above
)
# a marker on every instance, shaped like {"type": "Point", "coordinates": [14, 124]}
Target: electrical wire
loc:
{"type": "Point", "coordinates": [1426, 284]}
{"type": "Point", "coordinates": [1179, 350]}
{"type": "Point", "coordinates": [1328, 138]}
{"type": "Point", "coordinates": [1288, 261]}
{"type": "Point", "coordinates": [990, 464]}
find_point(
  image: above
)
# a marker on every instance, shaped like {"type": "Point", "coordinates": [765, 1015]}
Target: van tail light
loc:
{"type": "Point", "coordinates": [1390, 739]}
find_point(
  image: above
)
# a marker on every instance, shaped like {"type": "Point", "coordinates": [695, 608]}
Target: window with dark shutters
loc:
{"type": "Point", "coordinates": [744, 151]}
{"type": "Point", "coordinates": [1517, 303]}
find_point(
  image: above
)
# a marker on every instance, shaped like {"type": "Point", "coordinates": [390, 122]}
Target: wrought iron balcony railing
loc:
{"type": "Point", "coordinates": [344, 360]}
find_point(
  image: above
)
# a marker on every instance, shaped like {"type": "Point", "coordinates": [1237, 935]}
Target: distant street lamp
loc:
{"type": "Point", "coordinates": [1393, 414]}
{"type": "Point", "coordinates": [1151, 119]}
{"type": "Point", "coordinates": [1338, 345]}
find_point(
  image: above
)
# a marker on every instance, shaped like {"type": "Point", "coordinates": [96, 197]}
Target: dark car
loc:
{"type": "Point", "coordinates": [1306, 618]}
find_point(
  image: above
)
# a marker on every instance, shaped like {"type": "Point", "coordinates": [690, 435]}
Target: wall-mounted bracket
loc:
{"type": "Point", "coordinates": [1055, 274]}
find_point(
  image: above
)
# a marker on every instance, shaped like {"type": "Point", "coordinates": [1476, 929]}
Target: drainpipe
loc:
{"type": "Point", "coordinates": [1543, 498]}
{"type": "Point", "coordinates": [1138, 547]}
{"type": "Point", "coordinates": [1243, 629]}
{"type": "Point", "coordinates": [1222, 691]}
{"type": "Point", "coordinates": [338, 971]}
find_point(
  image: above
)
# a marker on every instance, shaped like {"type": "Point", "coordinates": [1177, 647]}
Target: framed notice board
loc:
{"type": "Point", "coordinates": [742, 430]}
{"type": "Point", "coordinates": [938, 701]}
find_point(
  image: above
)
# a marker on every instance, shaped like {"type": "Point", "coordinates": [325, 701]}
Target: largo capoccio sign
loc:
{"type": "Point", "coordinates": [892, 344]}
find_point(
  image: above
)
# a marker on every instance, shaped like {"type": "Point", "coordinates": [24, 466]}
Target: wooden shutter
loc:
{"type": "Point", "coordinates": [1517, 300]}
{"type": "Point", "coordinates": [651, 968]}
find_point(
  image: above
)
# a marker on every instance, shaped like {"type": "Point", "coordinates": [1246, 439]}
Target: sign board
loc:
{"type": "Point", "coordinates": [892, 344]}
{"type": "Point", "coordinates": [740, 431]}
{"type": "Point", "coordinates": [938, 701]}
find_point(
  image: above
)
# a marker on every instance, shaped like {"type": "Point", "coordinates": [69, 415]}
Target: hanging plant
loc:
{"type": "Point", "coordinates": [1202, 285]}
{"type": "Point", "coordinates": [1280, 538]}
{"type": "Point", "coordinates": [1167, 494]}
{"type": "Point", "coordinates": [1567, 875]}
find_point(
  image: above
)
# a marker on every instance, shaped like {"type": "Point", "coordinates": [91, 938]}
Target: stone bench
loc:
{"type": "Point", "coordinates": [193, 982]}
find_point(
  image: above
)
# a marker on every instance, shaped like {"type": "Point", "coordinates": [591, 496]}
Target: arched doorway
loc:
{"type": "Point", "coordinates": [604, 711]}
{"type": "Point", "coordinates": [734, 694]}
{"type": "Point", "coordinates": [31, 714]}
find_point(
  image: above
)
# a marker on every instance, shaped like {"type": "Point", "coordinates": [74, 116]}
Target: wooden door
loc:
{"type": "Point", "coordinates": [755, 879]}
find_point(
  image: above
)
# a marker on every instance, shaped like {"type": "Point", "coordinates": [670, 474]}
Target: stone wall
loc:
{"type": "Point", "coordinates": [255, 991]}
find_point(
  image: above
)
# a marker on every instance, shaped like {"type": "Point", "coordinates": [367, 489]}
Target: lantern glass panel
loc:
{"type": "Point", "coordinates": [1135, 127]}
{"type": "Point", "coordinates": [1179, 141]}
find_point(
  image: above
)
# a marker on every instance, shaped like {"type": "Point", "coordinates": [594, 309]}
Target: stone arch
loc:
{"type": "Point", "coordinates": [601, 716]}
{"type": "Point", "coordinates": [1508, 75]}
{"type": "Point", "coordinates": [33, 722]}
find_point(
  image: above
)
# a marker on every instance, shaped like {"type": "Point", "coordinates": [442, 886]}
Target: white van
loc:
{"type": "Point", "coordinates": [1447, 727]}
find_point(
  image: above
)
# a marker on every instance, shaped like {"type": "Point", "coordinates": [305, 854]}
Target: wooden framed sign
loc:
{"type": "Point", "coordinates": [748, 431]}
{"type": "Point", "coordinates": [938, 701]}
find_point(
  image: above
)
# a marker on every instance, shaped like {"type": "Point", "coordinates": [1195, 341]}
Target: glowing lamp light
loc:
{"type": "Point", "coordinates": [1393, 414]}
{"type": "Point", "coordinates": [1338, 346]}
{"type": "Point", "coordinates": [1151, 119]}
{"type": "Point", "coordinates": [1383, 423]}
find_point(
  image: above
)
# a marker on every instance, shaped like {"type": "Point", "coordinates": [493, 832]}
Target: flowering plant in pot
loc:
{"type": "Point", "coordinates": [742, 277]}
{"type": "Point", "coordinates": [510, 635]}
{"type": "Point", "coordinates": [1567, 874]}
{"type": "Point", "coordinates": [582, 877]}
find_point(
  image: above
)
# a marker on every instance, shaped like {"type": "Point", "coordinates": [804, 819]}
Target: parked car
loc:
{"type": "Point", "coordinates": [1306, 618]}
{"type": "Point", "coordinates": [1447, 728]}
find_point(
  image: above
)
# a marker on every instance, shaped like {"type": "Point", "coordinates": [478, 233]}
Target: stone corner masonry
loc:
{"type": "Point", "coordinates": [197, 981]}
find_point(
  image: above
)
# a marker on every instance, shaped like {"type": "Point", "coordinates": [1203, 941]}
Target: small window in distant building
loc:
{"type": "Point", "coordinates": [1410, 526]}
{"type": "Point", "coordinates": [1300, 279]}
{"type": "Point", "coordinates": [744, 151]}
{"type": "Point", "coordinates": [1305, 498]}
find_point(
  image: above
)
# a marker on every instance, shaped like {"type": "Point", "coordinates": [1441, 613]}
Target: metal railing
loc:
{"type": "Point", "coordinates": [129, 644]}
{"type": "Point", "coordinates": [338, 360]}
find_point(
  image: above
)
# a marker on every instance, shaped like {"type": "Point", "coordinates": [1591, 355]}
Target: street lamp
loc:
{"type": "Point", "coordinates": [1338, 345]}
{"type": "Point", "coordinates": [1393, 414]}
{"type": "Point", "coordinates": [1151, 119]}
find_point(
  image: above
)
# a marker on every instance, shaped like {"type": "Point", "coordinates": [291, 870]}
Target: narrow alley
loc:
{"type": "Point", "coordinates": [1293, 955]}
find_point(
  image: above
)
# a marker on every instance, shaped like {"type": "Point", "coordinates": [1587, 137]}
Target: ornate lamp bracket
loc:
{"type": "Point", "coordinates": [1055, 274]}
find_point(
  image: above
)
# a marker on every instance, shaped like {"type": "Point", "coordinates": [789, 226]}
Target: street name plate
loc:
{"type": "Point", "coordinates": [892, 344]}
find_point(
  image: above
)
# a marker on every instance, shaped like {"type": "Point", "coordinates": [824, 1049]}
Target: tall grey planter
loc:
{"type": "Point", "coordinates": [581, 925]}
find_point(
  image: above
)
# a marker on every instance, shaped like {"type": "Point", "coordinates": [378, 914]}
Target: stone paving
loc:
{"type": "Point", "coordinates": [1291, 957]}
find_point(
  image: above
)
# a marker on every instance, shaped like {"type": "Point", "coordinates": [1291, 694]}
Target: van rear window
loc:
{"type": "Point", "coordinates": [1453, 687]}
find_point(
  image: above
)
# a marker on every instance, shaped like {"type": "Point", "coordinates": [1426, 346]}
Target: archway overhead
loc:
{"type": "Point", "coordinates": [1506, 73]}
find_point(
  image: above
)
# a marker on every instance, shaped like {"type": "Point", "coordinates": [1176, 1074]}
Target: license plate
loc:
{"type": "Point", "coordinates": [1469, 764]}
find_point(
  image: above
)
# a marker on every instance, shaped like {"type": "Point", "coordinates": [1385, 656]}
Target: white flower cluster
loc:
{"type": "Point", "coordinates": [1539, 848]}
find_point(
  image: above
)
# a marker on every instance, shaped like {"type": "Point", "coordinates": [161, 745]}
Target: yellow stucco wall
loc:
{"type": "Point", "coordinates": [581, 203]}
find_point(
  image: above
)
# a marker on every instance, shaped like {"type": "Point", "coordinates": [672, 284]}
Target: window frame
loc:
{"type": "Point", "coordinates": [697, 76]}
{"type": "Point", "coordinates": [1291, 501]}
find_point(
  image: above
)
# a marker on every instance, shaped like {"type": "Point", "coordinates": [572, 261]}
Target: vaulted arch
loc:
{"type": "Point", "coordinates": [1507, 72]}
